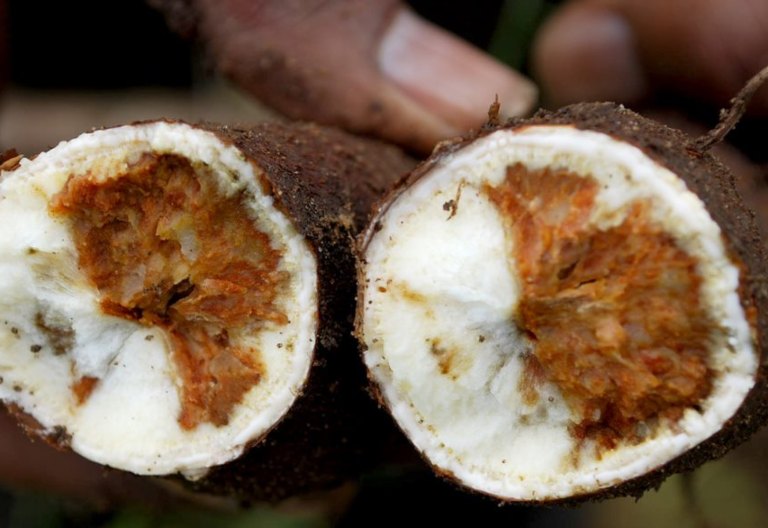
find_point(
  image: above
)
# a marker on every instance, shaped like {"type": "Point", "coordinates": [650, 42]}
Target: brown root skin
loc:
{"type": "Point", "coordinates": [59, 438]}
{"type": "Point", "coordinates": [324, 181]}
{"type": "Point", "coordinates": [713, 183]}
{"type": "Point", "coordinates": [49, 466]}
{"type": "Point", "coordinates": [494, 114]}
{"type": "Point", "coordinates": [9, 160]}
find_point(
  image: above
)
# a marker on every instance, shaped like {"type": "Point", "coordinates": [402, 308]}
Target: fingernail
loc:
{"type": "Point", "coordinates": [585, 54]}
{"type": "Point", "coordinates": [448, 76]}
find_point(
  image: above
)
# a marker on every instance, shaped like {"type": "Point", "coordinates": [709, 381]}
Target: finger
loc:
{"type": "Point", "coordinates": [374, 68]}
{"type": "Point", "coordinates": [450, 78]}
{"type": "Point", "coordinates": [585, 53]}
{"type": "Point", "coordinates": [35, 466]}
{"type": "Point", "coordinates": [701, 49]}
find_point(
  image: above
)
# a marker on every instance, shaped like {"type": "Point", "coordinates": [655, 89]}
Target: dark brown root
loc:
{"type": "Point", "coordinates": [494, 113]}
{"type": "Point", "coordinates": [324, 183]}
{"type": "Point", "coordinates": [703, 175]}
{"type": "Point", "coordinates": [729, 117]}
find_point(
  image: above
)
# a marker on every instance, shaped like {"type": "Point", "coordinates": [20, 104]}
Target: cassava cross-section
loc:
{"type": "Point", "coordinates": [565, 306]}
{"type": "Point", "coordinates": [164, 292]}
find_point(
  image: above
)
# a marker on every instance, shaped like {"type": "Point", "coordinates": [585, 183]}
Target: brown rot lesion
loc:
{"type": "Point", "coordinates": [615, 316]}
{"type": "Point", "coordinates": [57, 330]}
{"type": "Point", "coordinates": [451, 360]}
{"type": "Point", "coordinates": [165, 247]}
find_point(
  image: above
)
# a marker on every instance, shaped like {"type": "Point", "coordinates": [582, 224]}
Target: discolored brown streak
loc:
{"type": "Point", "coordinates": [84, 387]}
{"type": "Point", "coordinates": [531, 377]}
{"type": "Point", "coordinates": [61, 338]}
{"type": "Point", "coordinates": [165, 248]}
{"type": "Point", "coordinates": [614, 315]}
{"type": "Point", "coordinates": [443, 356]}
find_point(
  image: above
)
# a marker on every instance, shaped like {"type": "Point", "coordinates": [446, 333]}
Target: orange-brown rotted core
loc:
{"type": "Point", "coordinates": [165, 248]}
{"type": "Point", "coordinates": [614, 316]}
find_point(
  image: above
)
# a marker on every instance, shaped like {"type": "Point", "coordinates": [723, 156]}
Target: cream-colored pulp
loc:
{"type": "Point", "coordinates": [130, 421]}
{"type": "Point", "coordinates": [440, 299]}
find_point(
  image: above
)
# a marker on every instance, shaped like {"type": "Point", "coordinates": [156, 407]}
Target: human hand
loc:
{"type": "Point", "coordinates": [37, 467]}
{"type": "Point", "coordinates": [374, 68]}
{"type": "Point", "coordinates": [630, 50]}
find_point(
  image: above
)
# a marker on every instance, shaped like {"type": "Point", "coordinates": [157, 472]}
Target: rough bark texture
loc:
{"type": "Point", "coordinates": [714, 184]}
{"type": "Point", "coordinates": [326, 182]}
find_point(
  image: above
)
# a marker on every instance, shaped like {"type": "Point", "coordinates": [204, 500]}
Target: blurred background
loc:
{"type": "Point", "coordinates": [72, 66]}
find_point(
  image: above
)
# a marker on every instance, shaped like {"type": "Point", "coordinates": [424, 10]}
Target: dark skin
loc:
{"type": "Point", "coordinates": [378, 69]}
{"type": "Point", "coordinates": [359, 65]}
{"type": "Point", "coordinates": [630, 50]}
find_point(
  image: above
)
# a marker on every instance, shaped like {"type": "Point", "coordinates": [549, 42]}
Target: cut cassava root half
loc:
{"type": "Point", "coordinates": [566, 306]}
{"type": "Point", "coordinates": [168, 290]}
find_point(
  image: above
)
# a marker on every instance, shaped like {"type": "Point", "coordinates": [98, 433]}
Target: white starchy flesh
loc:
{"type": "Point", "coordinates": [55, 334]}
{"type": "Point", "coordinates": [442, 294]}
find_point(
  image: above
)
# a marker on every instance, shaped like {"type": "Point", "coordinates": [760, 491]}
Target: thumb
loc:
{"type": "Point", "coordinates": [373, 68]}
